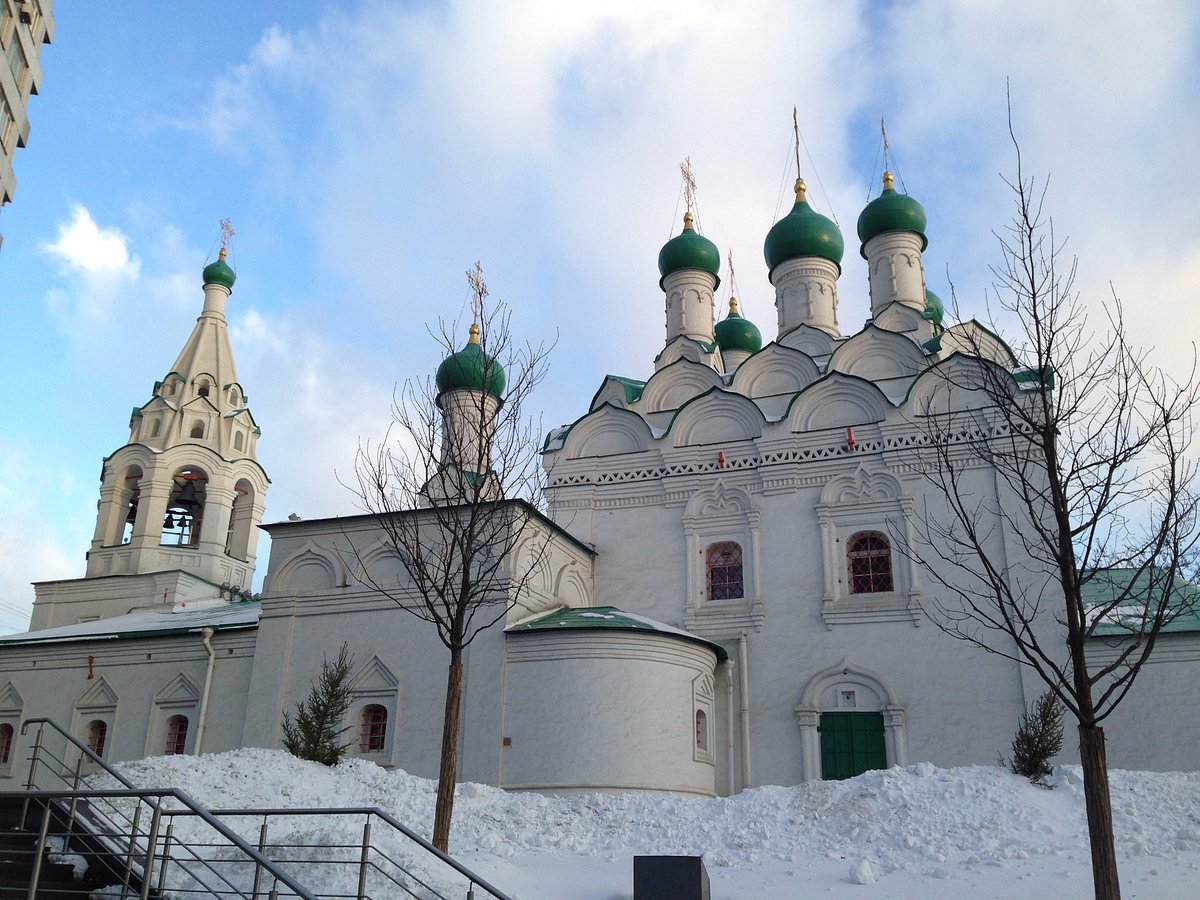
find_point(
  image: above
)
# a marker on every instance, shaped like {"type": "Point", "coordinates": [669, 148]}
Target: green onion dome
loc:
{"type": "Point", "coordinates": [472, 369]}
{"type": "Point", "coordinates": [219, 272]}
{"type": "Point", "coordinates": [735, 333]}
{"type": "Point", "coordinates": [688, 250]}
{"type": "Point", "coordinates": [891, 211]}
{"type": "Point", "coordinates": [803, 232]}
{"type": "Point", "coordinates": [935, 310]}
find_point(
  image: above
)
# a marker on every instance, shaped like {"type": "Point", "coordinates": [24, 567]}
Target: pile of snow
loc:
{"type": "Point", "coordinates": [919, 832]}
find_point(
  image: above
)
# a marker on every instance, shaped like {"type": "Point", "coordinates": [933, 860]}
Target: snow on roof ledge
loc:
{"type": "Point", "coordinates": [608, 617]}
{"type": "Point", "coordinates": [147, 623]}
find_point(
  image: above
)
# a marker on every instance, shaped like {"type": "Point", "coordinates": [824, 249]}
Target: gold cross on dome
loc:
{"type": "Point", "coordinates": [227, 233]}
{"type": "Point", "coordinates": [689, 184]}
{"type": "Point", "coordinates": [478, 289]}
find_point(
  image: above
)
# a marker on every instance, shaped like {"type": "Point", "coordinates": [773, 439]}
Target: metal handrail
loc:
{"type": "Point", "coordinates": [152, 797]}
{"type": "Point", "coordinates": [473, 879]}
{"type": "Point", "coordinates": [191, 807]}
{"type": "Point", "coordinates": [87, 751]}
{"type": "Point", "coordinates": [369, 811]}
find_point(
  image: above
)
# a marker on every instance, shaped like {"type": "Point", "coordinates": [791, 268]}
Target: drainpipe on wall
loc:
{"type": "Point", "coordinates": [744, 667]}
{"type": "Point", "coordinates": [212, 662]}
{"type": "Point", "coordinates": [729, 730]}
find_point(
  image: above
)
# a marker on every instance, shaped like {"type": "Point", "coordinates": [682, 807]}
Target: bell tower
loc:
{"type": "Point", "coordinates": [186, 492]}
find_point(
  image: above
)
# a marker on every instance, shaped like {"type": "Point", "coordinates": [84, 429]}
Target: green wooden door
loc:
{"type": "Point", "coordinates": [851, 743]}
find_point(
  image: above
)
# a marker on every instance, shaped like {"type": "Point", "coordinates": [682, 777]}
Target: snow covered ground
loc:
{"type": "Point", "coordinates": [919, 832]}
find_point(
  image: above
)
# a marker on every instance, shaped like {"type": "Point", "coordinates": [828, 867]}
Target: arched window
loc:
{"type": "Point", "coordinates": [198, 430]}
{"type": "Point", "coordinates": [869, 563]}
{"type": "Point", "coordinates": [372, 728]}
{"type": "Point", "coordinates": [154, 428]}
{"type": "Point", "coordinates": [701, 730]}
{"type": "Point", "coordinates": [723, 562]}
{"type": "Point", "coordinates": [97, 732]}
{"type": "Point", "coordinates": [237, 441]}
{"type": "Point", "coordinates": [6, 740]}
{"type": "Point", "coordinates": [177, 729]}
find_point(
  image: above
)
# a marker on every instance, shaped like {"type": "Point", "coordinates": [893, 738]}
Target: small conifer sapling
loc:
{"type": "Point", "coordinates": [1038, 739]}
{"type": "Point", "coordinates": [316, 731]}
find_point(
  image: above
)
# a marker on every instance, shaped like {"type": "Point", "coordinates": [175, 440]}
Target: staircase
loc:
{"type": "Point", "coordinates": [187, 850]}
{"type": "Point", "coordinates": [56, 881]}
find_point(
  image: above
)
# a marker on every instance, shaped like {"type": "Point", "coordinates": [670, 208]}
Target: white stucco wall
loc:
{"type": "Point", "coordinates": [1157, 725]}
{"type": "Point", "coordinates": [608, 710]}
{"type": "Point", "coordinates": [148, 679]}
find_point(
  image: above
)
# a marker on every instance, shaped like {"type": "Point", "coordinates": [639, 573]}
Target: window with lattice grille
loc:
{"type": "Point", "coordinates": [723, 562]}
{"type": "Point", "coordinates": [97, 734]}
{"type": "Point", "coordinates": [869, 561]}
{"type": "Point", "coordinates": [177, 729]}
{"type": "Point", "coordinates": [372, 729]}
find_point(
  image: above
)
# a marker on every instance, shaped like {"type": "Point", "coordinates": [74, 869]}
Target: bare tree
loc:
{"type": "Point", "coordinates": [453, 487]}
{"type": "Point", "coordinates": [1093, 492]}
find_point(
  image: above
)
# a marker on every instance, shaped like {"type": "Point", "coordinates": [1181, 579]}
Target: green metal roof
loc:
{"type": "Point", "coordinates": [891, 211]}
{"type": "Point", "coordinates": [803, 232]}
{"type": "Point", "coordinates": [688, 250]}
{"type": "Point", "coordinates": [737, 333]}
{"type": "Point", "coordinates": [935, 310]}
{"type": "Point", "coordinates": [609, 618]}
{"type": "Point", "coordinates": [219, 273]}
{"type": "Point", "coordinates": [471, 368]}
{"type": "Point", "coordinates": [633, 387]}
{"type": "Point", "coordinates": [1127, 587]}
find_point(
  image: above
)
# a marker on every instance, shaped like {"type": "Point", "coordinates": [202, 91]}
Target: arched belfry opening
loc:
{"type": "Point", "coordinates": [185, 509]}
{"type": "Point", "coordinates": [241, 520]}
{"type": "Point", "coordinates": [133, 495]}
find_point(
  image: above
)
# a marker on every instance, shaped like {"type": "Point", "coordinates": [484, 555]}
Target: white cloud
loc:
{"type": "Point", "coordinates": [83, 246]}
{"type": "Point", "coordinates": [315, 400]}
{"type": "Point", "coordinates": [97, 267]}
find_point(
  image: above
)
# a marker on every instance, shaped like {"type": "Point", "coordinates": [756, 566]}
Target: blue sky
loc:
{"type": "Point", "coordinates": [370, 152]}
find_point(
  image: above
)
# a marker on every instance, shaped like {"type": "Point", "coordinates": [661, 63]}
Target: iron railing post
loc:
{"type": "Point", "coordinates": [74, 799]}
{"type": "Point", "coordinates": [37, 853]}
{"type": "Point", "coordinates": [262, 848]}
{"type": "Point", "coordinates": [33, 761]}
{"type": "Point", "coordinates": [137, 818]}
{"type": "Point", "coordinates": [151, 843]}
{"type": "Point", "coordinates": [166, 858]}
{"type": "Point", "coordinates": [366, 855]}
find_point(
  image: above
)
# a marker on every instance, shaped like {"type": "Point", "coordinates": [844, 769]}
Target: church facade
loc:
{"type": "Point", "coordinates": [720, 593]}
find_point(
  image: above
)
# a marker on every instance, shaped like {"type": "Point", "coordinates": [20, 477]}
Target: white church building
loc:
{"type": "Point", "coordinates": [720, 599]}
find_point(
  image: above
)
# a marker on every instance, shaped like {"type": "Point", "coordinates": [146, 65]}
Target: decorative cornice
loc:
{"type": "Point", "coordinates": [785, 457]}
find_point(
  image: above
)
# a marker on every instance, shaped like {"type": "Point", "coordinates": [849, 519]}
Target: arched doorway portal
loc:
{"type": "Point", "coordinates": [850, 721]}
